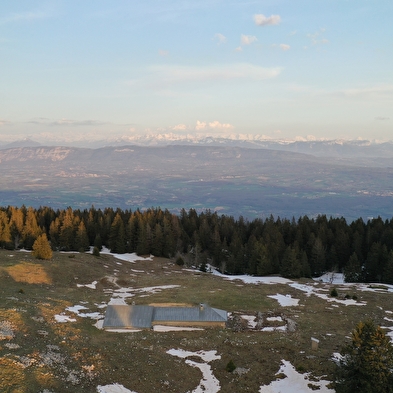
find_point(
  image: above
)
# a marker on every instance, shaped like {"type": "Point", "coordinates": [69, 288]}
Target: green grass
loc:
{"type": "Point", "coordinates": [33, 291]}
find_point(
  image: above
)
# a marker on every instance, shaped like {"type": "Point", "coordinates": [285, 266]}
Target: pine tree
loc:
{"type": "Point", "coordinates": [367, 363]}
{"type": "Point", "coordinates": [82, 240]}
{"type": "Point", "coordinates": [117, 236]}
{"type": "Point", "coordinates": [42, 248]}
{"type": "Point", "coordinates": [353, 269]}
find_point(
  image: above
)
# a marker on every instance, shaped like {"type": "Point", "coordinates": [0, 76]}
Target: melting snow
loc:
{"type": "Point", "coordinates": [285, 301]}
{"type": "Point", "coordinates": [64, 318]}
{"type": "Point", "coordinates": [93, 285]}
{"type": "Point", "coordinates": [254, 280]}
{"type": "Point", "coordinates": [113, 388]}
{"type": "Point", "coordinates": [209, 383]}
{"type": "Point", "coordinates": [124, 257]}
{"type": "Point", "coordinates": [294, 382]}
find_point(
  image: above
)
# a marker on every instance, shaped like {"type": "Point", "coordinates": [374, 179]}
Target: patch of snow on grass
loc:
{"type": "Point", "coordinates": [64, 318]}
{"type": "Point", "coordinates": [93, 285]}
{"type": "Point", "coordinates": [113, 388]}
{"type": "Point", "coordinates": [130, 257]}
{"type": "Point", "coordinates": [272, 319]}
{"type": "Point", "coordinates": [119, 295]}
{"type": "Point", "coordinates": [76, 310]}
{"type": "Point", "coordinates": [331, 278]}
{"type": "Point", "coordinates": [209, 383]}
{"type": "Point", "coordinates": [294, 382]}
{"type": "Point", "coordinates": [250, 320]}
{"type": "Point", "coordinates": [285, 301]}
{"type": "Point", "coordinates": [311, 290]}
{"type": "Point", "coordinates": [251, 279]}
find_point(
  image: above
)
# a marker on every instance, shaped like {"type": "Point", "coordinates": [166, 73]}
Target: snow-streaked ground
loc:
{"type": "Point", "coordinates": [128, 257]}
{"type": "Point", "coordinates": [285, 301]}
{"type": "Point", "coordinates": [209, 383]}
{"type": "Point", "coordinates": [294, 382]}
{"type": "Point", "coordinates": [113, 388]}
{"type": "Point", "coordinates": [253, 279]}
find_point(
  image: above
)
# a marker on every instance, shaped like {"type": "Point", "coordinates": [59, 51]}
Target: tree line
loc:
{"type": "Point", "coordinates": [306, 247]}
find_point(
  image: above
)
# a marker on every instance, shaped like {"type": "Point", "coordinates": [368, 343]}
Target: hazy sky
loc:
{"type": "Point", "coordinates": [93, 68]}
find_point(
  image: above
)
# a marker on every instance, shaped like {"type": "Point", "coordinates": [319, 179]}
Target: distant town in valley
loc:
{"type": "Point", "coordinates": [248, 178]}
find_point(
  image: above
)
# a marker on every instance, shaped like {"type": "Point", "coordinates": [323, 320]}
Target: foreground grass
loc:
{"type": "Point", "coordinates": [38, 353]}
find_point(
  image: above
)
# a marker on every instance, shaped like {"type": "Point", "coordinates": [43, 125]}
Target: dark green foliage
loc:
{"type": "Point", "coordinates": [333, 292]}
{"type": "Point", "coordinates": [230, 367]}
{"type": "Point", "coordinates": [179, 261]}
{"type": "Point", "coordinates": [367, 363]}
{"type": "Point", "coordinates": [96, 252]}
{"type": "Point", "coordinates": [363, 251]}
{"type": "Point", "coordinates": [353, 269]}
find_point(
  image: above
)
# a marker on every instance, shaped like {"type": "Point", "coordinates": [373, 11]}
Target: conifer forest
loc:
{"type": "Point", "coordinates": [306, 247]}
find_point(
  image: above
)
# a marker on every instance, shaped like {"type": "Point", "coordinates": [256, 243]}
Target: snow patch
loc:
{"type": "Point", "coordinates": [285, 301]}
{"type": "Point", "coordinates": [113, 388]}
{"type": "Point", "coordinates": [294, 382]}
{"type": "Point", "coordinates": [209, 383]}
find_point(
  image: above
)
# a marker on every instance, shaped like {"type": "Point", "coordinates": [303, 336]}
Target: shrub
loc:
{"type": "Point", "coordinates": [96, 251]}
{"type": "Point", "coordinates": [180, 261]}
{"type": "Point", "coordinates": [333, 292]}
{"type": "Point", "coordinates": [230, 367]}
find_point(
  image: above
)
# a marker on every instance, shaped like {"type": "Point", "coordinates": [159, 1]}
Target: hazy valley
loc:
{"type": "Point", "coordinates": [351, 180]}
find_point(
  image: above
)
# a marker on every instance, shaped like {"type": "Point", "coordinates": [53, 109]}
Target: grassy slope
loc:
{"type": "Point", "coordinates": [44, 354]}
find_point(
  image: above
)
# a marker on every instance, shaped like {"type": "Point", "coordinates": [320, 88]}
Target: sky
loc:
{"type": "Point", "coordinates": [279, 69]}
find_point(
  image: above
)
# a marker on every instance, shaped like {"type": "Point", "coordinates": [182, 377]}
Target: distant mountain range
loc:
{"type": "Point", "coordinates": [354, 180]}
{"type": "Point", "coordinates": [362, 149]}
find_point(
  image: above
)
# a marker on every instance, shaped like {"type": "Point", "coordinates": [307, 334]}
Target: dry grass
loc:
{"type": "Point", "coordinates": [29, 273]}
{"type": "Point", "coordinates": [77, 357]}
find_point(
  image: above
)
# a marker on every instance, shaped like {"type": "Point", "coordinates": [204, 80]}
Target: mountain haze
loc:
{"type": "Point", "coordinates": [232, 180]}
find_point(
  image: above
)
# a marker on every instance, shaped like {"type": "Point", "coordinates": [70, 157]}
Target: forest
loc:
{"type": "Point", "coordinates": [306, 247]}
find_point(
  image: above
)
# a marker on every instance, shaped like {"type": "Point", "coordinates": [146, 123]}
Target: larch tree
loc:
{"type": "Point", "coordinates": [42, 248]}
{"type": "Point", "coordinates": [367, 362]}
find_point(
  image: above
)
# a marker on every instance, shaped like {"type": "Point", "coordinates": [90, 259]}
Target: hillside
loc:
{"type": "Point", "coordinates": [50, 339]}
{"type": "Point", "coordinates": [232, 180]}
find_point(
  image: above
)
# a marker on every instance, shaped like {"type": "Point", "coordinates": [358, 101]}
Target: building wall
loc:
{"type": "Point", "coordinates": [190, 324]}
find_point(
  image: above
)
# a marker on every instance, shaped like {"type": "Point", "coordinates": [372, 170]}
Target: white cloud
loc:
{"type": "Point", "coordinates": [220, 38]}
{"type": "Point", "coordinates": [179, 127]}
{"type": "Point", "coordinates": [67, 122]}
{"type": "Point", "coordinates": [316, 38]}
{"type": "Point", "coordinates": [217, 125]}
{"type": "Point", "coordinates": [284, 47]}
{"type": "Point", "coordinates": [214, 125]}
{"type": "Point", "coordinates": [382, 118]}
{"type": "Point", "coordinates": [165, 75]}
{"type": "Point", "coordinates": [262, 20]}
{"type": "Point", "coordinates": [238, 49]}
{"type": "Point", "coordinates": [385, 91]}
{"type": "Point", "coordinates": [200, 125]}
{"type": "Point", "coordinates": [248, 39]}
{"type": "Point", "coordinates": [163, 53]}
{"type": "Point", "coordinates": [4, 122]}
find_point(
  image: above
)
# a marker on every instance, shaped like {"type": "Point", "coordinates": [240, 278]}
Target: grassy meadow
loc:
{"type": "Point", "coordinates": [40, 354]}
